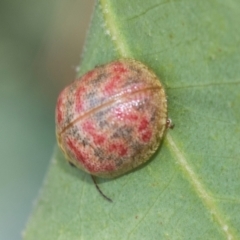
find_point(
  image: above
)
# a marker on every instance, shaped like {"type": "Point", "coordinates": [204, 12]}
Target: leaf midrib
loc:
{"type": "Point", "coordinates": [113, 27]}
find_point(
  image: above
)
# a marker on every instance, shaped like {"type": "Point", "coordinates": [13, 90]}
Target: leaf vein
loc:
{"type": "Point", "coordinates": [200, 189]}
{"type": "Point", "coordinates": [113, 27]}
{"type": "Point", "coordinates": [146, 11]}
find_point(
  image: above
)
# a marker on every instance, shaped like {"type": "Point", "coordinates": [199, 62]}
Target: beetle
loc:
{"type": "Point", "coordinates": [112, 119]}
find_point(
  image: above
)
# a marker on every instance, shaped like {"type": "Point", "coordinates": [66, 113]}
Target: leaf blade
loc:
{"type": "Point", "coordinates": [190, 189]}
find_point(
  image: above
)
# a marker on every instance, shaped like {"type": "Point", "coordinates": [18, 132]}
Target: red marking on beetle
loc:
{"type": "Point", "coordinates": [146, 136]}
{"type": "Point", "coordinates": [98, 139]}
{"type": "Point", "coordinates": [119, 67]}
{"type": "Point", "coordinates": [112, 84]}
{"type": "Point", "coordinates": [59, 110]}
{"type": "Point", "coordinates": [85, 161]}
{"type": "Point", "coordinates": [83, 158]}
{"type": "Point", "coordinates": [144, 130]}
{"type": "Point", "coordinates": [79, 103]}
{"type": "Point", "coordinates": [131, 117]}
{"type": "Point", "coordinates": [119, 148]}
{"type": "Point", "coordinates": [143, 124]}
{"type": "Point", "coordinates": [80, 156]}
{"type": "Point", "coordinates": [89, 127]}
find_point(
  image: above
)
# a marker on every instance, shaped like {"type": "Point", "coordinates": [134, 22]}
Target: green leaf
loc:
{"type": "Point", "coordinates": [191, 187]}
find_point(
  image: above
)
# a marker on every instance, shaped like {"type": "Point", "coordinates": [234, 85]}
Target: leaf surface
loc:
{"type": "Point", "coordinates": [190, 189]}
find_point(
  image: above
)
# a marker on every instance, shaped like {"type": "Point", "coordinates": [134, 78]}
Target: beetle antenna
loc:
{"type": "Point", "coordinates": [99, 190]}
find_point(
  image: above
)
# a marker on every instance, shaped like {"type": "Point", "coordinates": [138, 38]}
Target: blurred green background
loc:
{"type": "Point", "coordinates": [40, 46]}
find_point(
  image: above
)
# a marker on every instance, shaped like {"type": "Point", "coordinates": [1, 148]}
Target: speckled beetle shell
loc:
{"type": "Point", "coordinates": [112, 119]}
